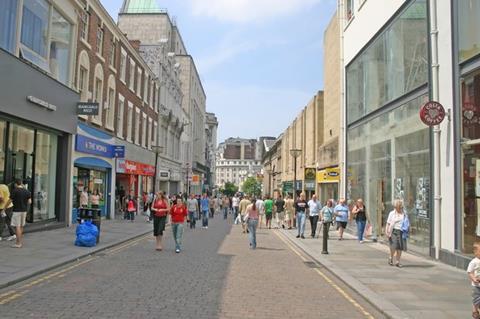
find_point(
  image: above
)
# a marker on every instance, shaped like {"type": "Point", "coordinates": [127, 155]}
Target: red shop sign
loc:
{"type": "Point", "coordinates": [135, 168]}
{"type": "Point", "coordinates": [432, 113]}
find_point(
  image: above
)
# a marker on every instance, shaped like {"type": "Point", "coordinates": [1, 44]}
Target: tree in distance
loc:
{"type": "Point", "coordinates": [229, 189]}
{"type": "Point", "coordinates": [252, 186]}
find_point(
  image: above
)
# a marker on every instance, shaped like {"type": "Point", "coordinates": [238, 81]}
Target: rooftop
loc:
{"type": "Point", "coordinates": [141, 6]}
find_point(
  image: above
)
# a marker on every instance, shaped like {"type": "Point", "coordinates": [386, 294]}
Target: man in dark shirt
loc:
{"type": "Point", "coordinates": [279, 214]}
{"type": "Point", "coordinates": [301, 208]}
{"type": "Point", "coordinates": [20, 199]}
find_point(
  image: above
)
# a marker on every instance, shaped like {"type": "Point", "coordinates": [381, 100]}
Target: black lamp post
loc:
{"type": "Point", "coordinates": [295, 153]}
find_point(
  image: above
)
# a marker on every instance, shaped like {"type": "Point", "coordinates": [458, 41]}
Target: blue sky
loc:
{"type": "Point", "coordinates": [260, 61]}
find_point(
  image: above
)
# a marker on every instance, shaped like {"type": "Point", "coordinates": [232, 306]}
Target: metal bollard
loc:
{"type": "Point", "coordinates": [326, 227]}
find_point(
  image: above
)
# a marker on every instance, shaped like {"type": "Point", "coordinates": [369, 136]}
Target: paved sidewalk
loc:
{"type": "Point", "coordinates": [45, 250]}
{"type": "Point", "coordinates": [421, 289]}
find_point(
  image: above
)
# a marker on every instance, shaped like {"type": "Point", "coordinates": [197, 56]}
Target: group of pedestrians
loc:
{"type": "Point", "coordinates": [14, 205]}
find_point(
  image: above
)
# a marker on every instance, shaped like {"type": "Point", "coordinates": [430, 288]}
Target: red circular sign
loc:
{"type": "Point", "coordinates": [432, 113]}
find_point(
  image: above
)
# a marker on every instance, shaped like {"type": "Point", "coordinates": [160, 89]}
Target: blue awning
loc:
{"type": "Point", "coordinates": [92, 162]}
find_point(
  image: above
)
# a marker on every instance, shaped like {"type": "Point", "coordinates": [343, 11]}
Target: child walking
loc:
{"type": "Point", "coordinates": [473, 271]}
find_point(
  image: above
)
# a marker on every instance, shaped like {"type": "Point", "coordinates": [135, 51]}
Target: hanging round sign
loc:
{"type": "Point", "coordinates": [432, 113]}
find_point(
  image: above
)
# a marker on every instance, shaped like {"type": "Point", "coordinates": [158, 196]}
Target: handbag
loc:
{"type": "Point", "coordinates": [368, 230]}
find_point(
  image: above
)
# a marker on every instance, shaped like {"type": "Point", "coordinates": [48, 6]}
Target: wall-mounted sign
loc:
{"type": "Point", "coordinates": [432, 113]}
{"type": "Point", "coordinates": [119, 151]}
{"type": "Point", "coordinates": [42, 103]}
{"type": "Point", "coordinates": [87, 108]}
{"type": "Point", "coordinates": [92, 146]}
{"type": "Point", "coordinates": [134, 168]}
{"type": "Point", "coordinates": [195, 180]}
{"type": "Point", "coordinates": [328, 175]}
{"type": "Point", "coordinates": [310, 185]}
{"type": "Point", "coordinates": [164, 175]}
{"type": "Point", "coordinates": [310, 173]}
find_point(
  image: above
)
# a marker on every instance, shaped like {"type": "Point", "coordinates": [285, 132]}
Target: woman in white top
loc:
{"type": "Point", "coordinates": [393, 230]}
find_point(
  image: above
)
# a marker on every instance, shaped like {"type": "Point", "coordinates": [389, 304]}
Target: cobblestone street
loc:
{"type": "Point", "coordinates": [216, 276]}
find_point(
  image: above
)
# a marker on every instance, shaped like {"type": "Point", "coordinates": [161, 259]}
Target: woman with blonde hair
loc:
{"type": "Point", "coordinates": [360, 215]}
{"type": "Point", "coordinates": [396, 230]}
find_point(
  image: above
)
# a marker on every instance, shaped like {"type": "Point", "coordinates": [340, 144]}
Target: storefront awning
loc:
{"type": "Point", "coordinates": [92, 162]}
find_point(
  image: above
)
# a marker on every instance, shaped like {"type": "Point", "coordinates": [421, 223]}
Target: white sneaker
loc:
{"type": "Point", "coordinates": [13, 237]}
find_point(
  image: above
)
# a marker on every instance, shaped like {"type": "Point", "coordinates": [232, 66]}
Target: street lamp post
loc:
{"type": "Point", "coordinates": [157, 150]}
{"type": "Point", "coordinates": [295, 153]}
{"type": "Point", "coordinates": [269, 172]}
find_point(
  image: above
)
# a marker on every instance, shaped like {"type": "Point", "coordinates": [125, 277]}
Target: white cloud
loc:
{"type": "Point", "coordinates": [242, 11]}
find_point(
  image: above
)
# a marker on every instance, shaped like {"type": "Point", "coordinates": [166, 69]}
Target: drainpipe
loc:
{"type": "Point", "coordinates": [342, 137]}
{"type": "Point", "coordinates": [436, 130]}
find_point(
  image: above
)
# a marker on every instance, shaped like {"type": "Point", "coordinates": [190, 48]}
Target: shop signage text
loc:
{"type": "Point", "coordinates": [42, 103]}
{"type": "Point", "coordinates": [91, 146]}
{"type": "Point", "coordinates": [310, 185]}
{"type": "Point", "coordinates": [164, 175]}
{"type": "Point", "coordinates": [195, 180]}
{"type": "Point", "coordinates": [134, 168]}
{"type": "Point", "coordinates": [119, 151]}
{"type": "Point", "coordinates": [87, 108]}
{"type": "Point", "coordinates": [432, 113]}
{"type": "Point", "coordinates": [329, 175]}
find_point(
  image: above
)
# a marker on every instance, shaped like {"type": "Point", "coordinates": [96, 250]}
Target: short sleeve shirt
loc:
{"type": "Point", "coordinates": [301, 206]}
{"type": "Point", "coordinates": [314, 207]}
{"type": "Point", "coordinates": [20, 197]}
{"type": "Point", "coordinates": [279, 204]}
{"type": "Point", "coordinates": [342, 210]}
{"type": "Point", "coordinates": [268, 206]}
{"type": "Point", "coordinates": [474, 267]}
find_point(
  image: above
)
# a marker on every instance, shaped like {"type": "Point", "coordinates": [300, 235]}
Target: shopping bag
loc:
{"type": "Point", "coordinates": [147, 213]}
{"type": "Point", "coordinates": [368, 230]}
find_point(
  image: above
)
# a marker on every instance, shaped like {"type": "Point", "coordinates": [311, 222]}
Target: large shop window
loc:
{"type": "Point", "coordinates": [389, 158]}
{"type": "Point", "coordinates": [3, 126]}
{"type": "Point", "coordinates": [8, 24]}
{"type": "Point", "coordinates": [46, 38]}
{"type": "Point", "coordinates": [393, 65]}
{"type": "Point", "coordinates": [470, 89]}
{"type": "Point", "coordinates": [45, 168]}
{"type": "Point", "coordinates": [468, 26]}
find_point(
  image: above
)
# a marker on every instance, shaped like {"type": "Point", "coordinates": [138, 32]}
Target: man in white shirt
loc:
{"type": "Point", "coordinates": [260, 204]}
{"type": "Point", "coordinates": [314, 208]}
{"type": "Point", "coordinates": [235, 205]}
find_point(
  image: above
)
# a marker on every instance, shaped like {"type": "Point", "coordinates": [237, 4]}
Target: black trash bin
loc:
{"type": "Point", "coordinates": [92, 214]}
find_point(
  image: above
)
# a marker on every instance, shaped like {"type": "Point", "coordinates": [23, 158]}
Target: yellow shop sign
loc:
{"type": "Point", "coordinates": [328, 175]}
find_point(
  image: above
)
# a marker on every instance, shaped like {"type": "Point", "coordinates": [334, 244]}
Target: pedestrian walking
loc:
{"type": "Point", "coordinates": [251, 218]}
{"type": "Point", "coordinates": [326, 214]}
{"type": "Point", "coordinates": [21, 198]}
{"type": "Point", "coordinates": [6, 209]}
{"type": "Point", "coordinates": [314, 207]}
{"type": "Point", "coordinates": [95, 199]}
{"type": "Point", "coordinates": [225, 206]}
{"type": "Point", "coordinates": [341, 217]}
{"type": "Point", "coordinates": [360, 215]}
{"type": "Point", "coordinates": [204, 207]}
{"type": "Point", "coordinates": [160, 209]}
{"type": "Point", "coordinates": [279, 212]}
{"type": "Point", "coordinates": [178, 213]}
{"type": "Point", "coordinates": [396, 230]}
{"type": "Point", "coordinates": [260, 205]}
{"type": "Point", "coordinates": [300, 210]}
{"type": "Point", "coordinates": [192, 206]}
{"type": "Point", "coordinates": [473, 271]}
{"type": "Point", "coordinates": [131, 208]}
{"type": "Point", "coordinates": [268, 211]}
{"type": "Point", "coordinates": [289, 211]}
{"type": "Point", "coordinates": [243, 210]}
{"type": "Point", "coordinates": [211, 204]}
{"type": "Point", "coordinates": [235, 206]}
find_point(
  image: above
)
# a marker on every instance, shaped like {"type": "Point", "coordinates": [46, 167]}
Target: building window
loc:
{"type": "Point", "coordinates": [349, 9]}
{"type": "Point", "coordinates": [139, 81]}
{"type": "Point", "coordinates": [98, 97]}
{"type": "Point", "coordinates": [470, 114]}
{"type": "Point", "coordinates": [113, 53]}
{"type": "Point", "coordinates": [110, 110]}
{"type": "Point", "coordinates": [152, 95]}
{"type": "Point", "coordinates": [144, 130]}
{"type": "Point", "coordinates": [129, 122]}
{"type": "Point", "coordinates": [468, 26]}
{"type": "Point", "coordinates": [84, 18]}
{"type": "Point", "coordinates": [145, 87]}
{"type": "Point", "coordinates": [123, 65]}
{"type": "Point", "coordinates": [131, 83]}
{"type": "Point", "coordinates": [83, 83]}
{"type": "Point", "coordinates": [8, 24]}
{"type": "Point", "coordinates": [395, 63]}
{"type": "Point", "coordinates": [149, 134]}
{"type": "Point", "coordinates": [60, 42]}
{"type": "Point", "coordinates": [120, 115]}
{"type": "Point", "coordinates": [137, 126]}
{"type": "Point", "coordinates": [155, 133]}
{"type": "Point", "coordinates": [99, 40]}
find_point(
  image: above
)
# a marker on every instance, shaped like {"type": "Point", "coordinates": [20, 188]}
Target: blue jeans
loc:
{"type": "Point", "coordinates": [192, 218]}
{"type": "Point", "coordinates": [205, 218]}
{"type": "Point", "coordinates": [235, 213]}
{"type": "Point", "coordinates": [252, 229]}
{"type": "Point", "coordinates": [177, 235]}
{"type": "Point", "coordinates": [361, 229]}
{"type": "Point", "coordinates": [225, 212]}
{"type": "Point", "coordinates": [301, 223]}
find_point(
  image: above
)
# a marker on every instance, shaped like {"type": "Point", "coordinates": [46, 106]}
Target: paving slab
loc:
{"type": "Point", "coordinates": [49, 249]}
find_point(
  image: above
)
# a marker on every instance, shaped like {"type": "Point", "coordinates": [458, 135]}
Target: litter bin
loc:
{"type": "Point", "coordinates": [92, 214]}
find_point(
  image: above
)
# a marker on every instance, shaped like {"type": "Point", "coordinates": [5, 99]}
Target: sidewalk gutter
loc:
{"type": "Point", "coordinates": [27, 274]}
{"type": "Point", "coordinates": [381, 304]}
